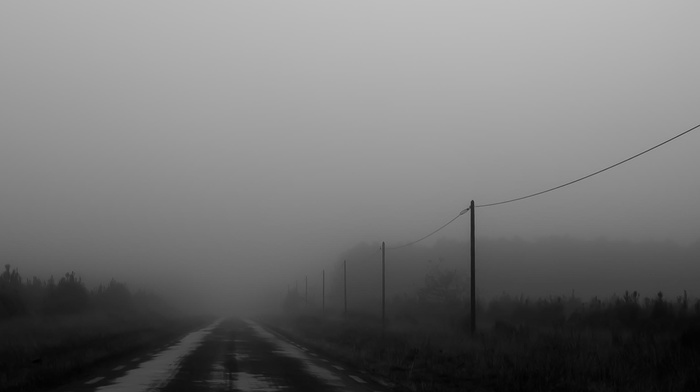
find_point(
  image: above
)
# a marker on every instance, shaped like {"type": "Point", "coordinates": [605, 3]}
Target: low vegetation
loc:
{"type": "Point", "coordinates": [625, 343]}
{"type": "Point", "coordinates": [52, 331]}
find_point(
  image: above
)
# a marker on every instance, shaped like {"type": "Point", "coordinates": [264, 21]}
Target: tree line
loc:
{"type": "Point", "coordinates": [552, 266]}
{"type": "Point", "coordinates": [66, 296]}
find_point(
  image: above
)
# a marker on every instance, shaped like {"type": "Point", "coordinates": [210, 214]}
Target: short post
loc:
{"type": "Point", "coordinates": [473, 274]}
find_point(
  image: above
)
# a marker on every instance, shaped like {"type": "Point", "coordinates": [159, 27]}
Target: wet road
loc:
{"type": "Point", "coordinates": [229, 355]}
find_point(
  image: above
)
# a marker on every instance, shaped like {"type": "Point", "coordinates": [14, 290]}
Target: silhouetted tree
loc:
{"type": "Point", "coordinates": [115, 296]}
{"type": "Point", "coordinates": [11, 303]}
{"type": "Point", "coordinates": [69, 296]}
{"type": "Point", "coordinates": [444, 286]}
{"type": "Point", "coordinates": [34, 292]}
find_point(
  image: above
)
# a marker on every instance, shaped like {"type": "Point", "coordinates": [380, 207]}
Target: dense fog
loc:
{"type": "Point", "coordinates": [548, 268]}
{"type": "Point", "coordinates": [220, 154]}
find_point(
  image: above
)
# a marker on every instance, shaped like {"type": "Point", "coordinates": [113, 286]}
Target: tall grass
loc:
{"type": "Point", "coordinates": [553, 344]}
{"type": "Point", "coordinates": [53, 330]}
{"type": "Point", "coordinates": [38, 352]}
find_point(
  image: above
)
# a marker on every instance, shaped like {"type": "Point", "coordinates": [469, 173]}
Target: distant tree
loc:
{"type": "Point", "coordinates": [11, 303]}
{"type": "Point", "coordinates": [34, 292]}
{"type": "Point", "coordinates": [444, 286]}
{"type": "Point", "coordinates": [68, 296]}
{"type": "Point", "coordinates": [148, 301]}
{"type": "Point", "coordinates": [660, 309]}
{"type": "Point", "coordinates": [115, 296]}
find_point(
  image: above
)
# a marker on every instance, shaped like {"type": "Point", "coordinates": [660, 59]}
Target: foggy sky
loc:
{"type": "Point", "coordinates": [235, 145]}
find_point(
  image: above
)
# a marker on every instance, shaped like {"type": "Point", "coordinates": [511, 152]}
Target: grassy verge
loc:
{"type": "Point", "coordinates": [42, 352]}
{"type": "Point", "coordinates": [503, 356]}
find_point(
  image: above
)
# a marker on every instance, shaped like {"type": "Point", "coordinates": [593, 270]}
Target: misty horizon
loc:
{"type": "Point", "coordinates": [227, 148]}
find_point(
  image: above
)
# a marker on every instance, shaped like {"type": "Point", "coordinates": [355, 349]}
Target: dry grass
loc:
{"type": "Point", "coordinates": [434, 356]}
{"type": "Point", "coordinates": [42, 352]}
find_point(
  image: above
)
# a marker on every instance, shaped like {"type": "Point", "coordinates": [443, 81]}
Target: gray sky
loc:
{"type": "Point", "coordinates": [228, 141]}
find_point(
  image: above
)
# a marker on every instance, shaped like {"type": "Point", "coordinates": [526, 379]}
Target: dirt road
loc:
{"type": "Point", "coordinates": [229, 355]}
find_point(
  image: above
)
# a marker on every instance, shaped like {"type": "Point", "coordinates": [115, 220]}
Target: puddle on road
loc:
{"type": "Point", "coordinates": [159, 370]}
{"type": "Point", "coordinates": [242, 381]}
{"type": "Point", "coordinates": [293, 351]}
{"type": "Point", "coordinates": [255, 382]}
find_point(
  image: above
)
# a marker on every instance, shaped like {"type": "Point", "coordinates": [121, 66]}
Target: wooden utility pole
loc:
{"type": "Point", "coordinates": [323, 293]}
{"type": "Point", "coordinates": [345, 286]}
{"type": "Point", "coordinates": [383, 287]}
{"type": "Point", "coordinates": [473, 263]}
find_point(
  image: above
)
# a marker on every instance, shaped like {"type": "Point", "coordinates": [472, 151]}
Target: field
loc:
{"type": "Point", "coordinates": [554, 344]}
{"type": "Point", "coordinates": [53, 331]}
{"type": "Point", "coordinates": [37, 353]}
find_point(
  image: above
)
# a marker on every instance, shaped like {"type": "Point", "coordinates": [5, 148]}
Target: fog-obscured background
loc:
{"type": "Point", "coordinates": [223, 151]}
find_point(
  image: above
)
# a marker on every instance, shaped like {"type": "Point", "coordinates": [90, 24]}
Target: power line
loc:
{"type": "Point", "coordinates": [431, 233]}
{"type": "Point", "coordinates": [546, 190]}
{"type": "Point", "coordinates": [590, 175]}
